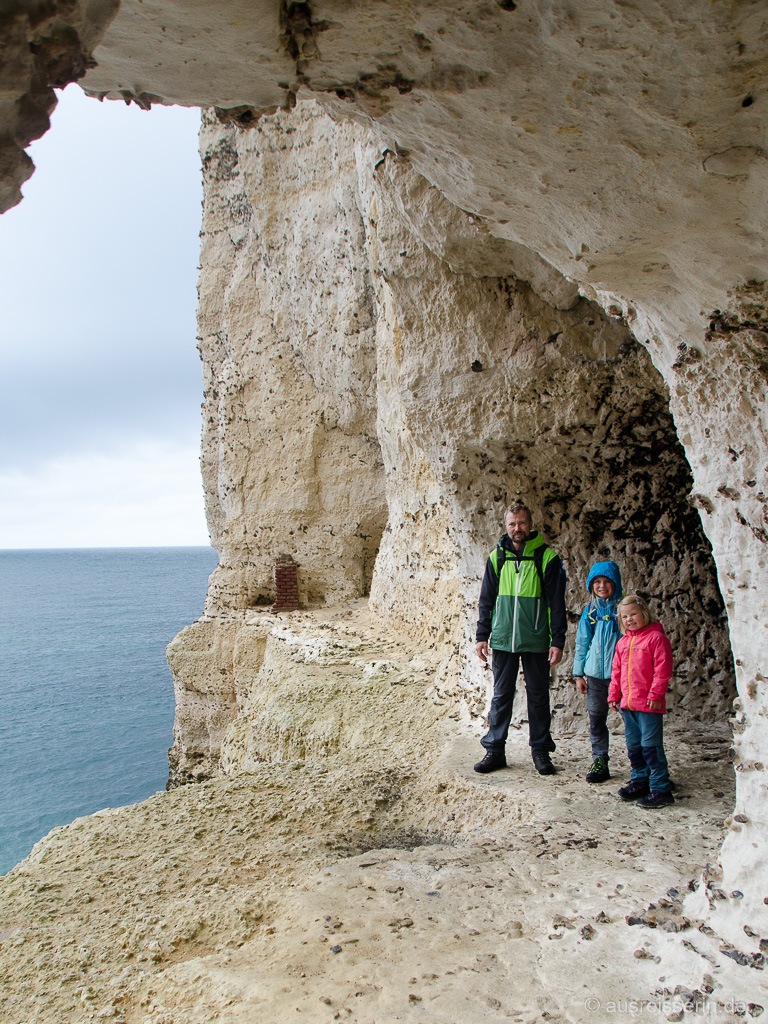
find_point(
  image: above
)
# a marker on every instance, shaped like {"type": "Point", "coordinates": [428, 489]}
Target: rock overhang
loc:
{"type": "Point", "coordinates": [624, 147]}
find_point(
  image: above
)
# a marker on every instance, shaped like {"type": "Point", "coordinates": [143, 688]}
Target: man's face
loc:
{"type": "Point", "coordinates": [519, 526]}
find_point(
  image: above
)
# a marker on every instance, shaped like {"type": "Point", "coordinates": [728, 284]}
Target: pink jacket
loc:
{"type": "Point", "coordinates": [642, 668]}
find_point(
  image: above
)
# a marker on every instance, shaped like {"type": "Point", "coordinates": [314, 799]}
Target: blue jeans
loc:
{"type": "Point", "coordinates": [644, 733]}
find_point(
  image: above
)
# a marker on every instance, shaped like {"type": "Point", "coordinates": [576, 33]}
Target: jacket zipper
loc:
{"type": "Point", "coordinates": [518, 567]}
{"type": "Point", "coordinates": [629, 674]}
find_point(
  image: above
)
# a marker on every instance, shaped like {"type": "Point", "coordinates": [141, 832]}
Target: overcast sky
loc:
{"type": "Point", "coordinates": [100, 387]}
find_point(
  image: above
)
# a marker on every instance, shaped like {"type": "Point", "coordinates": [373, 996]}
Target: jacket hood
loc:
{"type": "Point", "coordinates": [611, 571]}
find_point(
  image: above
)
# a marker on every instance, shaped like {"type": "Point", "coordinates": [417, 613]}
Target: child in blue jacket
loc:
{"type": "Point", "coordinates": [596, 640]}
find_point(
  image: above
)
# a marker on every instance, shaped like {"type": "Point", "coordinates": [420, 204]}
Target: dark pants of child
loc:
{"type": "Point", "coordinates": [597, 709]}
{"type": "Point", "coordinates": [644, 733]}
{"type": "Point", "coordinates": [505, 668]}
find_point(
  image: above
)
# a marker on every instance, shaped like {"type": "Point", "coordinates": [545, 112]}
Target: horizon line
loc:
{"type": "Point", "coordinates": [112, 547]}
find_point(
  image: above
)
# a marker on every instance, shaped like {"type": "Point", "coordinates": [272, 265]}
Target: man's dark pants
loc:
{"type": "Point", "coordinates": [505, 668]}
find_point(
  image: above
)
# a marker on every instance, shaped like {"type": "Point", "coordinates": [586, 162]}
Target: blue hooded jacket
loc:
{"type": "Point", "coordinates": [598, 630]}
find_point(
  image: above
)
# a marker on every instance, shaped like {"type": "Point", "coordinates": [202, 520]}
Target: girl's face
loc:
{"type": "Point", "coordinates": [632, 617]}
{"type": "Point", "coordinates": [602, 587]}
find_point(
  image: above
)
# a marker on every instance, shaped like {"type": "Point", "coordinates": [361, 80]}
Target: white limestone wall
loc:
{"type": "Point", "coordinates": [345, 302]}
{"type": "Point", "coordinates": [291, 460]}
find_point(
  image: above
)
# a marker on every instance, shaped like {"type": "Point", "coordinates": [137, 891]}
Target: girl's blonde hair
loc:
{"type": "Point", "coordinates": [645, 611]}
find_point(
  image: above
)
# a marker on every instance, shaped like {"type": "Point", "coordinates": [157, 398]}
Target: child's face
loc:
{"type": "Point", "coordinates": [602, 587]}
{"type": "Point", "coordinates": [632, 617]}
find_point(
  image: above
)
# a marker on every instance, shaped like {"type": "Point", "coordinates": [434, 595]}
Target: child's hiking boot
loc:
{"type": "Point", "coordinates": [599, 770]}
{"type": "Point", "coordinates": [656, 799]}
{"type": "Point", "coordinates": [634, 789]}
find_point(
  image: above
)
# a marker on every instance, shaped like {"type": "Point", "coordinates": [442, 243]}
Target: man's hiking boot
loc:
{"type": "Point", "coordinates": [599, 770]}
{"type": "Point", "coordinates": [656, 799]}
{"type": "Point", "coordinates": [542, 762]}
{"type": "Point", "coordinates": [634, 789]}
{"type": "Point", "coordinates": [492, 761]}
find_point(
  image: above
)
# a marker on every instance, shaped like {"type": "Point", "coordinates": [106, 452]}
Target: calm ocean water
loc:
{"type": "Point", "coordinates": [86, 717]}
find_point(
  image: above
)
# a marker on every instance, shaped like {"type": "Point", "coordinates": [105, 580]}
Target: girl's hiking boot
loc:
{"type": "Point", "coordinates": [599, 770]}
{"type": "Point", "coordinates": [634, 789]}
{"type": "Point", "coordinates": [656, 799]}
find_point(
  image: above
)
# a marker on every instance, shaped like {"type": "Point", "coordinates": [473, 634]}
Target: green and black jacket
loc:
{"type": "Point", "coordinates": [514, 614]}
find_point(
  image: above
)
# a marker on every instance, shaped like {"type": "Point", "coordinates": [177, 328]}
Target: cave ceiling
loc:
{"type": "Point", "coordinates": [622, 142]}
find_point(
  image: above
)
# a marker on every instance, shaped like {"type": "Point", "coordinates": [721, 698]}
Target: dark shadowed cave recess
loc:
{"type": "Point", "coordinates": [576, 421]}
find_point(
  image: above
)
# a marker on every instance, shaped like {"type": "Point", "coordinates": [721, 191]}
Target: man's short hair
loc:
{"type": "Point", "coordinates": [516, 508]}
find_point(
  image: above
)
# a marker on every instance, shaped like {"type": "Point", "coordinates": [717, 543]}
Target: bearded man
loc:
{"type": "Point", "coordinates": [521, 618]}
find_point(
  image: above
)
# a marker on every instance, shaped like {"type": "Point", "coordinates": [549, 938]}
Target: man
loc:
{"type": "Point", "coordinates": [522, 616]}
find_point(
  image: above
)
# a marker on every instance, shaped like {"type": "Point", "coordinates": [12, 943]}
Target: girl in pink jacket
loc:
{"type": "Point", "coordinates": [642, 668]}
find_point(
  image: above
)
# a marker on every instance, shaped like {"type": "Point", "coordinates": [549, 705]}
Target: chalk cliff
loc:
{"type": "Point", "coordinates": [453, 254]}
{"type": "Point", "coordinates": [379, 384]}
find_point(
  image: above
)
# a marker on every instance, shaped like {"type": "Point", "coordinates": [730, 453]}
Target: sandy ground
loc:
{"type": "Point", "coordinates": [380, 885]}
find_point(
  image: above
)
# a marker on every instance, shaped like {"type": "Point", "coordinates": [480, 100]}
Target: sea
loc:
{"type": "Point", "coordinates": [86, 697]}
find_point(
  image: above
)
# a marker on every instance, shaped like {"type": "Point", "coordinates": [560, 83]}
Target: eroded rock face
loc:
{"type": "Point", "coordinates": [616, 144]}
{"type": "Point", "coordinates": [291, 460]}
{"type": "Point", "coordinates": [504, 395]}
{"type": "Point", "coordinates": [365, 366]}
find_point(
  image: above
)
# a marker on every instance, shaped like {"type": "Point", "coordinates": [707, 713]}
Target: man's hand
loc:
{"type": "Point", "coordinates": [613, 704]}
{"type": "Point", "coordinates": [482, 651]}
{"type": "Point", "coordinates": [581, 683]}
{"type": "Point", "coordinates": [654, 705]}
{"type": "Point", "coordinates": [555, 655]}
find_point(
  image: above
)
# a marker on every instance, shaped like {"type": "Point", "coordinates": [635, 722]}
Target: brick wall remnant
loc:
{"type": "Point", "coordinates": [286, 585]}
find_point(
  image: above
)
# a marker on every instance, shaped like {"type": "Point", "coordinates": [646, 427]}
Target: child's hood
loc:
{"type": "Point", "coordinates": [611, 571]}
